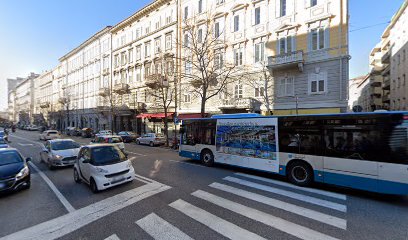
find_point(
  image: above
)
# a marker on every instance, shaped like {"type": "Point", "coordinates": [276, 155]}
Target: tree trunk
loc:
{"type": "Point", "coordinates": [203, 101]}
{"type": "Point", "coordinates": [166, 127]}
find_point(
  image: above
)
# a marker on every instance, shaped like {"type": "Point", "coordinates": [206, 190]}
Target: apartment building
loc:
{"type": "Point", "coordinates": [84, 68]}
{"type": "Point", "coordinates": [303, 44]}
{"type": "Point", "coordinates": [143, 47]}
{"type": "Point", "coordinates": [43, 98]}
{"type": "Point", "coordinates": [24, 100]}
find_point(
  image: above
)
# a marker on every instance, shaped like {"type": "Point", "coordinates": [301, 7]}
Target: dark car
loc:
{"type": "Point", "coordinates": [128, 136]}
{"type": "Point", "coordinates": [86, 132]}
{"type": "Point", "coordinates": [14, 171]}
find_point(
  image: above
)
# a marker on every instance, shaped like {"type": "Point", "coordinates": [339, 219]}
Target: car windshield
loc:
{"type": "Point", "coordinates": [115, 140]}
{"type": "Point", "coordinates": [9, 157]}
{"type": "Point", "coordinates": [64, 145]}
{"type": "Point", "coordinates": [123, 133]}
{"type": "Point", "coordinates": [106, 155]}
{"type": "Point", "coordinates": [52, 132]}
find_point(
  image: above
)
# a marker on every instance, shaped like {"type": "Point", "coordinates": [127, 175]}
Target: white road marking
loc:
{"type": "Point", "coordinates": [285, 184]}
{"type": "Point", "coordinates": [70, 222]}
{"type": "Point", "coordinates": [297, 196]}
{"type": "Point", "coordinates": [267, 219]}
{"type": "Point", "coordinates": [217, 224]}
{"type": "Point", "coordinates": [59, 195]}
{"type": "Point", "coordinates": [187, 163]}
{"type": "Point", "coordinates": [28, 140]}
{"type": "Point", "coordinates": [25, 144]}
{"type": "Point", "coordinates": [113, 237]}
{"type": "Point", "coordinates": [160, 229]}
{"type": "Point", "coordinates": [305, 212]}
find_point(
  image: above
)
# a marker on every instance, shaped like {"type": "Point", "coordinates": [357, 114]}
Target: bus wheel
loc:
{"type": "Point", "coordinates": [300, 173]}
{"type": "Point", "coordinates": [207, 158]}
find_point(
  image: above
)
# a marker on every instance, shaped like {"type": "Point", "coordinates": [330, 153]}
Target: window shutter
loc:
{"type": "Point", "coordinates": [253, 17]}
{"type": "Point", "coordinates": [309, 41]}
{"type": "Point", "coordinates": [277, 10]}
{"type": "Point", "coordinates": [327, 37]}
{"type": "Point", "coordinates": [294, 47]}
{"type": "Point", "coordinates": [277, 46]}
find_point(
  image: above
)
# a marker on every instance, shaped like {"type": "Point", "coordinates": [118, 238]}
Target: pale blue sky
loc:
{"type": "Point", "coordinates": [34, 34]}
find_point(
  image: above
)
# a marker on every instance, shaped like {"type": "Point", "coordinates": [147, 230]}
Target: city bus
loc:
{"type": "Point", "coordinates": [366, 151]}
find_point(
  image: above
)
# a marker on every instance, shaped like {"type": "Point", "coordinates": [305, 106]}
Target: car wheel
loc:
{"type": "Point", "coordinates": [93, 186]}
{"type": "Point", "coordinates": [300, 173]}
{"type": "Point", "coordinates": [49, 165]}
{"type": "Point", "coordinates": [207, 158]}
{"type": "Point", "coordinates": [137, 142]}
{"type": "Point", "coordinates": [151, 144]}
{"type": "Point", "coordinates": [28, 185]}
{"type": "Point", "coordinates": [76, 176]}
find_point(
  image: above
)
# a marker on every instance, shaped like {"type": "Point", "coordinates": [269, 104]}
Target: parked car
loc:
{"type": "Point", "coordinates": [49, 135]}
{"type": "Point", "coordinates": [14, 171]}
{"type": "Point", "coordinates": [33, 128]}
{"type": "Point", "coordinates": [102, 166]}
{"type": "Point", "coordinates": [3, 143]}
{"type": "Point", "coordinates": [152, 139]}
{"type": "Point", "coordinates": [104, 132]}
{"type": "Point", "coordinates": [128, 136]}
{"type": "Point", "coordinates": [59, 152]}
{"type": "Point", "coordinates": [110, 139]}
{"type": "Point", "coordinates": [3, 135]}
{"type": "Point", "coordinates": [86, 132]}
{"type": "Point", "coordinates": [75, 131]}
{"type": "Point", "coordinates": [68, 130]}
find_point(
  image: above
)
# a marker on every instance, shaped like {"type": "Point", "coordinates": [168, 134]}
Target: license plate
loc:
{"type": "Point", "coordinates": [117, 179]}
{"type": "Point", "coordinates": [2, 185]}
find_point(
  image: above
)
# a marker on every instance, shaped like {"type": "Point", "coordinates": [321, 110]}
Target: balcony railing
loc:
{"type": "Point", "coordinates": [386, 83]}
{"type": "Point", "coordinates": [103, 91]}
{"type": "Point", "coordinates": [286, 60]}
{"type": "Point", "coordinates": [240, 103]}
{"type": "Point", "coordinates": [386, 57]}
{"type": "Point", "coordinates": [121, 88]}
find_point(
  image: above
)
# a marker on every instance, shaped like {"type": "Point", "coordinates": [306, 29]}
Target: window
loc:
{"type": "Point", "coordinates": [147, 29]}
{"type": "Point", "coordinates": [186, 42]}
{"type": "Point", "coordinates": [200, 6]}
{"type": "Point", "coordinates": [403, 55]}
{"type": "Point", "coordinates": [238, 92]}
{"type": "Point", "coordinates": [147, 70]}
{"type": "Point", "coordinates": [137, 33]}
{"type": "Point", "coordinates": [130, 55]}
{"type": "Point", "coordinates": [259, 52]}
{"type": "Point", "coordinates": [185, 13]}
{"type": "Point", "coordinates": [200, 35]}
{"type": "Point", "coordinates": [238, 56]}
{"type": "Point", "coordinates": [188, 67]}
{"type": "Point", "coordinates": [217, 30]}
{"type": "Point", "coordinates": [169, 67]}
{"type": "Point", "coordinates": [220, 2]}
{"type": "Point", "coordinates": [257, 15]}
{"type": "Point", "coordinates": [130, 75]}
{"type": "Point", "coordinates": [218, 60]}
{"type": "Point", "coordinates": [187, 98]}
{"type": "Point", "coordinates": [259, 91]}
{"type": "Point", "coordinates": [123, 58]}
{"type": "Point", "coordinates": [317, 83]}
{"type": "Point", "coordinates": [168, 41]}
{"type": "Point", "coordinates": [138, 53]}
{"type": "Point", "coordinates": [123, 40]}
{"type": "Point", "coordinates": [236, 23]}
{"type": "Point", "coordinates": [157, 25]}
{"type": "Point", "coordinates": [147, 49]}
{"type": "Point", "coordinates": [313, 3]}
{"type": "Point", "coordinates": [282, 8]}
{"type": "Point", "coordinates": [285, 45]}
{"type": "Point", "coordinates": [157, 48]}
{"type": "Point", "coordinates": [138, 74]}
{"type": "Point", "coordinates": [286, 86]}
{"type": "Point", "coordinates": [116, 60]}
{"type": "Point", "coordinates": [318, 38]}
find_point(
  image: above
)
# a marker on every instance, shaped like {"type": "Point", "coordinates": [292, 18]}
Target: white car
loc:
{"type": "Point", "coordinates": [102, 166]}
{"type": "Point", "coordinates": [49, 135]}
{"type": "Point", "coordinates": [104, 132]}
{"type": "Point", "coordinates": [110, 139]}
{"type": "Point", "coordinates": [151, 139]}
{"type": "Point", "coordinates": [59, 153]}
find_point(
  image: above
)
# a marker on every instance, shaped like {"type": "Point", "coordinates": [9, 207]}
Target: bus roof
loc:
{"type": "Point", "coordinates": [255, 115]}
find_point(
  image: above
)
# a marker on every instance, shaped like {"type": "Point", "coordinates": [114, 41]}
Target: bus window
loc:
{"type": "Point", "coordinates": [199, 132]}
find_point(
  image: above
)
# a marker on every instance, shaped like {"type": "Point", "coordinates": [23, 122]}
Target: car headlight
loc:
{"type": "Point", "coordinates": [101, 170]}
{"type": "Point", "coordinates": [23, 173]}
{"type": "Point", "coordinates": [129, 165]}
{"type": "Point", "coordinates": [58, 157]}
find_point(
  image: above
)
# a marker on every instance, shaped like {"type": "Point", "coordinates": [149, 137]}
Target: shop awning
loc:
{"type": "Point", "coordinates": [183, 116]}
{"type": "Point", "coordinates": [154, 115]}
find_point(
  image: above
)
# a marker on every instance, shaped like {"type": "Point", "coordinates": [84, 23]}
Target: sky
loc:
{"type": "Point", "coordinates": [35, 34]}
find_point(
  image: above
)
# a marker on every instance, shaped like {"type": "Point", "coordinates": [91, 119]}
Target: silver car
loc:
{"type": "Point", "coordinates": [59, 152]}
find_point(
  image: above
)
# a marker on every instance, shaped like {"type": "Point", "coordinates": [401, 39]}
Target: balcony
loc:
{"type": "Point", "coordinates": [105, 71]}
{"type": "Point", "coordinates": [386, 98]}
{"type": "Point", "coordinates": [386, 57]}
{"type": "Point", "coordinates": [376, 70]}
{"type": "Point", "coordinates": [288, 60]}
{"type": "Point", "coordinates": [63, 100]}
{"type": "Point", "coordinates": [238, 103]}
{"type": "Point", "coordinates": [386, 83]}
{"type": "Point", "coordinates": [386, 70]}
{"type": "Point", "coordinates": [121, 88]}
{"type": "Point", "coordinates": [103, 91]}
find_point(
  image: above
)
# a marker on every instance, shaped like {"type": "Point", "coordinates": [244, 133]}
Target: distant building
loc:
{"type": "Point", "coordinates": [356, 86]}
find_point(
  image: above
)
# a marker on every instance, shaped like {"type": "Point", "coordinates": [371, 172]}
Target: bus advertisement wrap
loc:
{"type": "Point", "coordinates": [248, 142]}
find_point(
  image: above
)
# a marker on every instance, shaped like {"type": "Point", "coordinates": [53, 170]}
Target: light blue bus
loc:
{"type": "Point", "coordinates": [367, 151]}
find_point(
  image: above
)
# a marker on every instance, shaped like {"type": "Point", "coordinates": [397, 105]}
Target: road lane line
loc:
{"type": "Point", "coordinates": [70, 222]}
{"type": "Point", "coordinates": [143, 155]}
{"type": "Point", "coordinates": [187, 163]}
{"type": "Point", "coordinates": [285, 184]}
{"type": "Point", "coordinates": [267, 219]}
{"type": "Point", "coordinates": [293, 195]}
{"type": "Point", "coordinates": [305, 212]}
{"type": "Point", "coordinates": [160, 229]}
{"type": "Point", "coordinates": [27, 140]}
{"type": "Point", "coordinates": [112, 237]}
{"type": "Point", "coordinates": [217, 224]}
{"type": "Point", "coordinates": [59, 195]}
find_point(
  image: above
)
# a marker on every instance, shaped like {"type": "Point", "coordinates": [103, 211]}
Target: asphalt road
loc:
{"type": "Point", "coordinates": [177, 198]}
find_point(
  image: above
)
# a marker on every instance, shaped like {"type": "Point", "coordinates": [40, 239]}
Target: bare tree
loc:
{"type": "Point", "coordinates": [66, 107]}
{"type": "Point", "coordinates": [162, 89]}
{"type": "Point", "coordinates": [206, 69]}
{"type": "Point", "coordinates": [262, 82]}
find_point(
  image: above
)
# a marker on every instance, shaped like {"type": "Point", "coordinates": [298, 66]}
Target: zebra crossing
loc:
{"type": "Point", "coordinates": [321, 207]}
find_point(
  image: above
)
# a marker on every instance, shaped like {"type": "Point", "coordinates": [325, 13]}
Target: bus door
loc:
{"type": "Point", "coordinates": [347, 161]}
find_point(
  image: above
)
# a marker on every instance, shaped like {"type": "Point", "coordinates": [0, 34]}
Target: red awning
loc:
{"type": "Point", "coordinates": [183, 116]}
{"type": "Point", "coordinates": [154, 115]}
